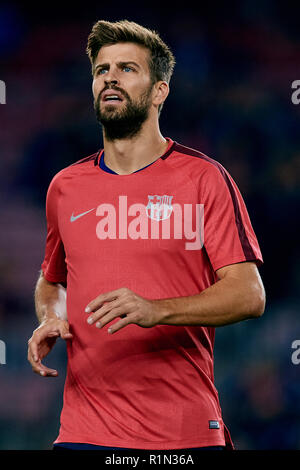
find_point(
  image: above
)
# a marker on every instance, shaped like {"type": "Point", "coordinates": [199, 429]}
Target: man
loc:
{"type": "Point", "coordinates": [153, 243]}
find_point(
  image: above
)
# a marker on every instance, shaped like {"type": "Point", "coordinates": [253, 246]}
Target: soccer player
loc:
{"type": "Point", "coordinates": [153, 244]}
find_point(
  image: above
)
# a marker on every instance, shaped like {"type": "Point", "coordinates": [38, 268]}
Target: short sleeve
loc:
{"type": "Point", "coordinates": [228, 234]}
{"type": "Point", "coordinates": [54, 264]}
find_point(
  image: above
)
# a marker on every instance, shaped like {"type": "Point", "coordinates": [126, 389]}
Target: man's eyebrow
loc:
{"type": "Point", "coordinates": [101, 65]}
{"type": "Point", "coordinates": [129, 62]}
{"type": "Point", "coordinates": [120, 64]}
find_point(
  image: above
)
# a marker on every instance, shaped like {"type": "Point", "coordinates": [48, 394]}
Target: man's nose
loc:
{"type": "Point", "coordinates": [111, 76]}
{"type": "Point", "coordinates": [112, 81]}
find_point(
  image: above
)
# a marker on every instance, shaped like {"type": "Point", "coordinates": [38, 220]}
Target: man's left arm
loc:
{"type": "Point", "coordinates": [237, 295]}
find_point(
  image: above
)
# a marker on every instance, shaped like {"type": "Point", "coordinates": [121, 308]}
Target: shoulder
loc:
{"type": "Point", "coordinates": [196, 163]}
{"type": "Point", "coordinates": [75, 169]}
{"type": "Point", "coordinates": [88, 160]}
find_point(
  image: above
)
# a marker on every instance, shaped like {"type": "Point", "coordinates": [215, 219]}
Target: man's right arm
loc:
{"type": "Point", "coordinates": [51, 313]}
{"type": "Point", "coordinates": [50, 299]}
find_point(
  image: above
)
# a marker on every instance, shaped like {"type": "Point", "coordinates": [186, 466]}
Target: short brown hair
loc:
{"type": "Point", "coordinates": [161, 62]}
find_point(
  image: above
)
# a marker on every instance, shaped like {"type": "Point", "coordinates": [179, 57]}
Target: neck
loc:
{"type": "Point", "coordinates": [124, 156]}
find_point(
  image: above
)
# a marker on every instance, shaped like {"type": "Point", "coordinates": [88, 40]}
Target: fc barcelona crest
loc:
{"type": "Point", "coordinates": [159, 207]}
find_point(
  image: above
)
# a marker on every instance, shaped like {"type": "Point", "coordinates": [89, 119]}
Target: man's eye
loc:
{"type": "Point", "coordinates": [127, 69]}
{"type": "Point", "coordinates": [101, 71]}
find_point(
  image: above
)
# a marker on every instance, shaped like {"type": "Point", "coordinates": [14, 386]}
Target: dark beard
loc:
{"type": "Point", "coordinates": [127, 122]}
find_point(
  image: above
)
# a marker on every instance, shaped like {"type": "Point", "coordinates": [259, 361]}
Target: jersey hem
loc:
{"type": "Point", "coordinates": [169, 445]}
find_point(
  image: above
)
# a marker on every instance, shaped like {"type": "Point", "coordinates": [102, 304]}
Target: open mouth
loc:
{"type": "Point", "coordinates": [112, 98]}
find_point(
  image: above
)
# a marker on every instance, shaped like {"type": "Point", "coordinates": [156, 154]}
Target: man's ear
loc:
{"type": "Point", "coordinates": [160, 92]}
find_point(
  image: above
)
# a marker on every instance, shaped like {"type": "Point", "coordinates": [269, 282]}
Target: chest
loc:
{"type": "Point", "coordinates": [142, 215]}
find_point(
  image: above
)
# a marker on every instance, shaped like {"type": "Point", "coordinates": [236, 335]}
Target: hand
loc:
{"type": "Point", "coordinates": [43, 340]}
{"type": "Point", "coordinates": [122, 303]}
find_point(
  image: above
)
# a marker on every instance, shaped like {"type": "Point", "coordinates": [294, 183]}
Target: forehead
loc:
{"type": "Point", "coordinates": [123, 52]}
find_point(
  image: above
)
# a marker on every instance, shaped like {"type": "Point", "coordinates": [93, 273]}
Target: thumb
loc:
{"type": "Point", "coordinates": [64, 331]}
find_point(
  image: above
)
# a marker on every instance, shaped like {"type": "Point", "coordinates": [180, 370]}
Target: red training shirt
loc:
{"type": "Point", "coordinates": [162, 232]}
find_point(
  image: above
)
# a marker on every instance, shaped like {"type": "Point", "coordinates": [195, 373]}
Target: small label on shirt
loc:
{"type": "Point", "coordinates": [214, 424]}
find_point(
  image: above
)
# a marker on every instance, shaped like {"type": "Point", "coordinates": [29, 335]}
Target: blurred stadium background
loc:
{"type": "Point", "coordinates": [230, 98]}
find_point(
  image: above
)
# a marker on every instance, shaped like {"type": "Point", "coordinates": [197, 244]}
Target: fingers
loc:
{"type": "Point", "coordinates": [52, 329]}
{"type": "Point", "coordinates": [114, 313]}
{"type": "Point", "coordinates": [42, 341]}
{"type": "Point", "coordinates": [106, 297]}
{"type": "Point", "coordinates": [107, 308]}
{"type": "Point", "coordinates": [40, 368]}
{"type": "Point", "coordinates": [119, 324]}
{"type": "Point", "coordinates": [33, 350]}
{"type": "Point", "coordinates": [39, 339]}
{"type": "Point", "coordinates": [118, 303]}
{"type": "Point", "coordinates": [64, 330]}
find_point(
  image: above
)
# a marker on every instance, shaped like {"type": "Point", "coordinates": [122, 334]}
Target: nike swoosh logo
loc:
{"type": "Point", "coordinates": [75, 217]}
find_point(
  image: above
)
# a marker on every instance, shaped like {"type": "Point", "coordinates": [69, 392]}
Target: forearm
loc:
{"type": "Point", "coordinates": [238, 295]}
{"type": "Point", "coordinates": [227, 301]}
{"type": "Point", "coordinates": [49, 299]}
{"type": "Point", "coordinates": [47, 303]}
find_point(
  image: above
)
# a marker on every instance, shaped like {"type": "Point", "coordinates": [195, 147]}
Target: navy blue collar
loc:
{"type": "Point", "coordinates": [108, 170]}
